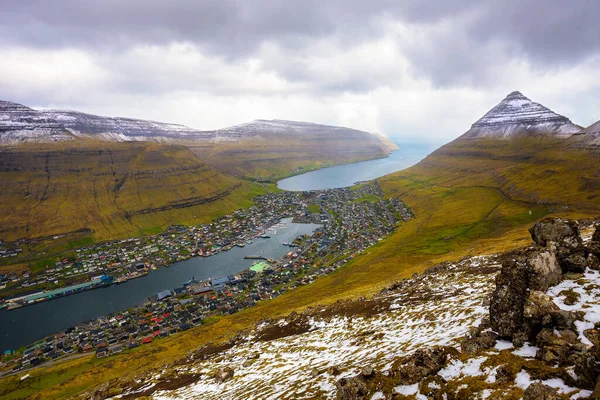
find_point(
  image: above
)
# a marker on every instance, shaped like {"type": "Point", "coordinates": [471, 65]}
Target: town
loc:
{"type": "Point", "coordinates": [351, 219]}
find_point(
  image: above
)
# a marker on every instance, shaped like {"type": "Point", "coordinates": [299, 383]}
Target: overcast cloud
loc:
{"type": "Point", "coordinates": [409, 70]}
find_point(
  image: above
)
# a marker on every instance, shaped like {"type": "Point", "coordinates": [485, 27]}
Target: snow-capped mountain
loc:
{"type": "Point", "coordinates": [19, 123]}
{"type": "Point", "coordinates": [122, 129]}
{"type": "Point", "coordinates": [516, 115]}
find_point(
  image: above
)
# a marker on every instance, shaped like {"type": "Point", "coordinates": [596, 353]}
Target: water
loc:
{"type": "Point", "coordinates": [346, 175]}
{"type": "Point", "coordinates": [25, 325]}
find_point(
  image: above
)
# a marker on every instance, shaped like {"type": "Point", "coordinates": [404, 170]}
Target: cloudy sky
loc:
{"type": "Point", "coordinates": [411, 70]}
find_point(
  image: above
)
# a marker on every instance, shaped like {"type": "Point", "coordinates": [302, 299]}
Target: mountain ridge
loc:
{"type": "Point", "coordinates": [19, 123]}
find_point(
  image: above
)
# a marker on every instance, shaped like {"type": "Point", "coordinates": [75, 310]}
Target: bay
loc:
{"type": "Point", "coordinates": [348, 174]}
{"type": "Point", "coordinates": [22, 326]}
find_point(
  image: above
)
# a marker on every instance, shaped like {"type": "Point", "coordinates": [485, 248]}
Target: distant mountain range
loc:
{"type": "Point", "coordinates": [19, 123]}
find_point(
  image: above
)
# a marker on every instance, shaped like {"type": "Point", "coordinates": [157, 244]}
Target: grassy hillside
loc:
{"type": "Point", "coordinates": [272, 157]}
{"type": "Point", "coordinates": [468, 198]}
{"type": "Point", "coordinates": [112, 189]}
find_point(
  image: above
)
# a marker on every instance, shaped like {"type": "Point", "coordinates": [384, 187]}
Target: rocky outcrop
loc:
{"type": "Point", "coordinates": [523, 271]}
{"type": "Point", "coordinates": [562, 237]}
{"type": "Point", "coordinates": [516, 115]}
{"type": "Point", "coordinates": [539, 391]}
{"type": "Point", "coordinates": [594, 245]}
{"type": "Point", "coordinates": [424, 362]}
{"type": "Point", "coordinates": [408, 370]}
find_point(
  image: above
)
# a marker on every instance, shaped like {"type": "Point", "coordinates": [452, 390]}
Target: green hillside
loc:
{"type": "Point", "coordinates": [111, 189]}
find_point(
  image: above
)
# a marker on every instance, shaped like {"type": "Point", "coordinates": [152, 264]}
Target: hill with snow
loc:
{"type": "Point", "coordinates": [516, 115]}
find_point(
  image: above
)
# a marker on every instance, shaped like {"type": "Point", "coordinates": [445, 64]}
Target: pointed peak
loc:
{"type": "Point", "coordinates": [516, 115]}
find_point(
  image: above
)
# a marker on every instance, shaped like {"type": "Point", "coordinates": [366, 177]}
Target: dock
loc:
{"type": "Point", "coordinates": [255, 258]}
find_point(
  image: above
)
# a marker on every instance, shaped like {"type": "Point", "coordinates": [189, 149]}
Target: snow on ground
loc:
{"type": "Point", "coordinates": [587, 289]}
{"type": "Point", "coordinates": [297, 366]}
{"type": "Point", "coordinates": [458, 368]}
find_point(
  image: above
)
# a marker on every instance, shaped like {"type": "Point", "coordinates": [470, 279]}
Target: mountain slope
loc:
{"type": "Point", "coordinates": [261, 149]}
{"type": "Point", "coordinates": [591, 134]}
{"type": "Point", "coordinates": [273, 149]}
{"type": "Point", "coordinates": [114, 189]}
{"type": "Point", "coordinates": [516, 115]}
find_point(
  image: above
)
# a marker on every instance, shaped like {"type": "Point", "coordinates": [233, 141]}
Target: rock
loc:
{"type": "Point", "coordinates": [224, 374]}
{"type": "Point", "coordinates": [411, 369]}
{"type": "Point", "coordinates": [563, 237]}
{"type": "Point", "coordinates": [596, 392]}
{"type": "Point", "coordinates": [544, 270]}
{"type": "Point", "coordinates": [361, 386]}
{"type": "Point", "coordinates": [563, 319]}
{"type": "Point", "coordinates": [479, 341]}
{"type": "Point", "coordinates": [333, 370]}
{"type": "Point", "coordinates": [593, 262]}
{"type": "Point", "coordinates": [509, 297]}
{"type": "Point", "coordinates": [562, 232]}
{"type": "Point", "coordinates": [586, 368]}
{"type": "Point", "coordinates": [594, 245]}
{"type": "Point", "coordinates": [539, 391]}
{"type": "Point", "coordinates": [538, 306]}
{"type": "Point", "coordinates": [367, 372]}
{"type": "Point", "coordinates": [574, 263]}
{"type": "Point", "coordinates": [352, 388]}
{"type": "Point", "coordinates": [558, 347]}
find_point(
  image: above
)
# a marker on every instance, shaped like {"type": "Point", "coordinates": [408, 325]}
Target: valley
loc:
{"type": "Point", "coordinates": [473, 196]}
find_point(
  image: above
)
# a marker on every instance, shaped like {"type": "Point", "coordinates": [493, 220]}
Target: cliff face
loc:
{"type": "Point", "coordinates": [516, 115]}
{"type": "Point", "coordinates": [20, 124]}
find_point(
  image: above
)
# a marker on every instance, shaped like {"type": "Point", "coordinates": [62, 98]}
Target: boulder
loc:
{"type": "Point", "coordinates": [576, 262]}
{"type": "Point", "coordinates": [539, 391]}
{"type": "Point", "coordinates": [224, 374]}
{"type": "Point", "coordinates": [362, 386]}
{"type": "Point", "coordinates": [558, 347]}
{"type": "Point", "coordinates": [593, 261]}
{"type": "Point", "coordinates": [354, 388]}
{"type": "Point", "coordinates": [544, 270]}
{"type": "Point", "coordinates": [479, 341]}
{"type": "Point", "coordinates": [563, 237]}
{"type": "Point", "coordinates": [537, 306]}
{"type": "Point", "coordinates": [411, 369]}
{"type": "Point", "coordinates": [509, 297]}
{"type": "Point", "coordinates": [562, 232]}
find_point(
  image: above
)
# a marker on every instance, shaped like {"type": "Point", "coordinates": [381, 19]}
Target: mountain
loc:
{"type": "Point", "coordinates": [591, 134]}
{"type": "Point", "coordinates": [118, 129]}
{"type": "Point", "coordinates": [261, 149]}
{"type": "Point", "coordinates": [470, 198]}
{"type": "Point", "coordinates": [19, 123]}
{"type": "Point", "coordinates": [516, 115]}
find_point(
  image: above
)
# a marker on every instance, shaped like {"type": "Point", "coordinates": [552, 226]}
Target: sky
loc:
{"type": "Point", "coordinates": [415, 71]}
